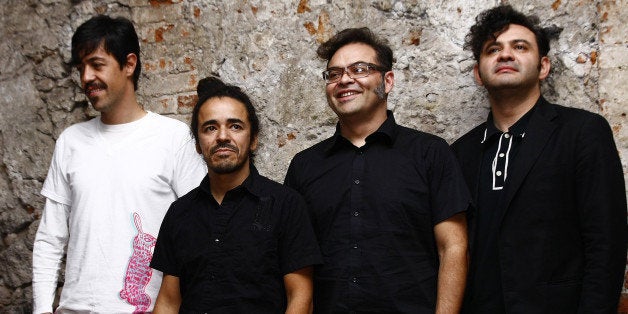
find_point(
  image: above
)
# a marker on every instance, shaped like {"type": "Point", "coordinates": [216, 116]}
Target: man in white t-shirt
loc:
{"type": "Point", "coordinates": [110, 182]}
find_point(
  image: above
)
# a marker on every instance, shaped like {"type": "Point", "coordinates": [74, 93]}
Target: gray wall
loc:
{"type": "Point", "coordinates": [268, 47]}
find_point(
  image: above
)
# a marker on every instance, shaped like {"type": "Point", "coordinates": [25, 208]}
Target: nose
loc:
{"type": "Point", "coordinates": [505, 54]}
{"type": "Point", "coordinates": [345, 78]}
{"type": "Point", "coordinates": [87, 75]}
{"type": "Point", "coordinates": [222, 135]}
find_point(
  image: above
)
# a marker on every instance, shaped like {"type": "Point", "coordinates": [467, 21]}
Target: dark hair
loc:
{"type": "Point", "coordinates": [357, 35]}
{"type": "Point", "coordinates": [212, 87]}
{"type": "Point", "coordinates": [490, 23]}
{"type": "Point", "coordinates": [117, 35]}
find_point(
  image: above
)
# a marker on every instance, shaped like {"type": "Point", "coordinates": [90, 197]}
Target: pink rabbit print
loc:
{"type": "Point", "coordinates": [138, 271]}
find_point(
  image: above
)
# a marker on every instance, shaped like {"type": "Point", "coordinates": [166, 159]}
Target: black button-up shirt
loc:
{"type": "Point", "coordinates": [374, 209]}
{"type": "Point", "coordinates": [500, 149]}
{"type": "Point", "coordinates": [231, 257]}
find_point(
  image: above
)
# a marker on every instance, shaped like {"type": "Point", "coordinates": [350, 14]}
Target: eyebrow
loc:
{"type": "Point", "coordinates": [92, 59]}
{"type": "Point", "coordinates": [339, 67]}
{"type": "Point", "coordinates": [514, 41]}
{"type": "Point", "coordinates": [229, 121]}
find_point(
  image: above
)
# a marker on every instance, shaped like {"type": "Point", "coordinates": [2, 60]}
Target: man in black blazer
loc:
{"type": "Point", "coordinates": [548, 231]}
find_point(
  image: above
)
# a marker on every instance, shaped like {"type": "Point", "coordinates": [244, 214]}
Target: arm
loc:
{"type": "Point", "coordinates": [48, 249]}
{"type": "Point", "coordinates": [451, 241]}
{"type": "Point", "coordinates": [299, 289]}
{"type": "Point", "coordinates": [601, 202]}
{"type": "Point", "coordinates": [169, 297]}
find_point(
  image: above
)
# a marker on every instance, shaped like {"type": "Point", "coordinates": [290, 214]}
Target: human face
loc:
{"type": "Point", "coordinates": [511, 61]}
{"type": "Point", "coordinates": [224, 135]}
{"type": "Point", "coordinates": [361, 96]}
{"type": "Point", "coordinates": [104, 82]}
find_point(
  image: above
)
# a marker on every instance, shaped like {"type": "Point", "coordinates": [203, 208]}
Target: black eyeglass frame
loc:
{"type": "Point", "coordinates": [369, 67]}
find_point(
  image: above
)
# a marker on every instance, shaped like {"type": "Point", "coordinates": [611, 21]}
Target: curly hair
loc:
{"type": "Point", "coordinates": [212, 87]}
{"type": "Point", "coordinates": [357, 35]}
{"type": "Point", "coordinates": [491, 23]}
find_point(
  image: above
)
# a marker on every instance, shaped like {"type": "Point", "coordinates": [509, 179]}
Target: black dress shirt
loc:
{"type": "Point", "coordinates": [231, 257]}
{"type": "Point", "coordinates": [374, 209]}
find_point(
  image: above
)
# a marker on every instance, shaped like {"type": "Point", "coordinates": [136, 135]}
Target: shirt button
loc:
{"type": "Point", "coordinates": [354, 279]}
{"type": "Point", "coordinates": [356, 213]}
{"type": "Point", "coordinates": [355, 245]}
{"type": "Point", "coordinates": [498, 173]}
{"type": "Point", "coordinates": [217, 241]}
{"type": "Point", "coordinates": [507, 135]}
{"type": "Point", "coordinates": [357, 181]}
{"type": "Point", "coordinates": [501, 155]}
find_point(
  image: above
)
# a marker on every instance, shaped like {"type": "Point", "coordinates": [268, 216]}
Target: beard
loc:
{"type": "Point", "coordinates": [380, 90]}
{"type": "Point", "coordinates": [225, 166]}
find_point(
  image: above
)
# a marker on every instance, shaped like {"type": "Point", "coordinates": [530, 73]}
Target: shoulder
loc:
{"type": "Point", "coordinates": [473, 137]}
{"type": "Point", "coordinates": [184, 204]}
{"type": "Point", "coordinates": [406, 134]}
{"type": "Point", "coordinates": [315, 151]}
{"type": "Point", "coordinates": [575, 115]}
{"type": "Point", "coordinates": [268, 187]}
{"type": "Point", "coordinates": [166, 123]}
{"type": "Point", "coordinates": [576, 122]}
{"type": "Point", "coordinates": [79, 133]}
{"type": "Point", "coordinates": [420, 144]}
{"type": "Point", "coordinates": [85, 128]}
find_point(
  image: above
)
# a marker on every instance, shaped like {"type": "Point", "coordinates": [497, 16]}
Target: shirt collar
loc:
{"type": "Point", "coordinates": [250, 184]}
{"type": "Point", "coordinates": [517, 130]}
{"type": "Point", "coordinates": [387, 133]}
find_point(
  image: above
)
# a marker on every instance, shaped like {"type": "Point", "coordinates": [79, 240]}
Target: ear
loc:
{"type": "Point", "coordinates": [389, 80]}
{"type": "Point", "coordinates": [545, 65]}
{"type": "Point", "coordinates": [198, 148]}
{"type": "Point", "coordinates": [254, 143]}
{"type": "Point", "coordinates": [131, 63]}
{"type": "Point", "coordinates": [476, 74]}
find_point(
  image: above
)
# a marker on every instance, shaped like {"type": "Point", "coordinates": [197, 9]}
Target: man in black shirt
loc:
{"type": "Point", "coordinates": [549, 232]}
{"type": "Point", "coordinates": [238, 243]}
{"type": "Point", "coordinates": [387, 202]}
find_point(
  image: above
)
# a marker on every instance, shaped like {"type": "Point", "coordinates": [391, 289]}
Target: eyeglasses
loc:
{"type": "Point", "coordinates": [355, 70]}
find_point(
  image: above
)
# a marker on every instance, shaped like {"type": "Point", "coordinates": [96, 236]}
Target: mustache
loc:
{"type": "Point", "coordinates": [94, 85]}
{"type": "Point", "coordinates": [223, 145]}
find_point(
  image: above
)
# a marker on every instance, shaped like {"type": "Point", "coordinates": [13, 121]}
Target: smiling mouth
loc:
{"type": "Point", "coordinates": [346, 94]}
{"type": "Point", "coordinates": [93, 89]}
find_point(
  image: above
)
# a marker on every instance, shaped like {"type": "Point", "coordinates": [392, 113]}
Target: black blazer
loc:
{"type": "Point", "coordinates": [562, 237]}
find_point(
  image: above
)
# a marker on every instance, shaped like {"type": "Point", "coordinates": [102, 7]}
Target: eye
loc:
{"type": "Point", "coordinates": [520, 47]}
{"type": "Point", "coordinates": [492, 50]}
{"type": "Point", "coordinates": [359, 68]}
{"type": "Point", "coordinates": [333, 74]}
{"type": "Point", "coordinates": [236, 127]}
{"type": "Point", "coordinates": [210, 128]}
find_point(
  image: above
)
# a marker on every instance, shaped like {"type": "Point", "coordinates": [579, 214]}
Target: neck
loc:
{"type": "Point", "coordinates": [508, 107]}
{"type": "Point", "coordinates": [220, 184]}
{"type": "Point", "coordinates": [357, 129]}
{"type": "Point", "coordinates": [128, 110]}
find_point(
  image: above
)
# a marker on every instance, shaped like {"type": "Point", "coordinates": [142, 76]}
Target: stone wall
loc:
{"type": "Point", "coordinates": [268, 47]}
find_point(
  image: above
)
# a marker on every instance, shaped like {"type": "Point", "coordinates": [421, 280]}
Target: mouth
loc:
{"type": "Point", "coordinates": [92, 90]}
{"type": "Point", "coordinates": [347, 95]}
{"type": "Point", "coordinates": [505, 69]}
{"type": "Point", "coordinates": [224, 149]}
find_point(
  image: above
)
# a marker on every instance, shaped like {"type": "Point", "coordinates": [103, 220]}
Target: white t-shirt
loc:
{"type": "Point", "coordinates": [108, 189]}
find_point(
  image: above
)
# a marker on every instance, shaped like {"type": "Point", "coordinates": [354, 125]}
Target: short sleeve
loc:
{"type": "Point", "coordinates": [449, 194]}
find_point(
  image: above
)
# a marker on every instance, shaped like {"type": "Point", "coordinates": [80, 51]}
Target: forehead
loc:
{"type": "Point", "coordinates": [352, 53]}
{"type": "Point", "coordinates": [222, 109]}
{"type": "Point", "coordinates": [514, 33]}
{"type": "Point", "coordinates": [98, 53]}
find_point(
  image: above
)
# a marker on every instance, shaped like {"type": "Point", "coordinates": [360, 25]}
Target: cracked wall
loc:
{"type": "Point", "coordinates": [268, 48]}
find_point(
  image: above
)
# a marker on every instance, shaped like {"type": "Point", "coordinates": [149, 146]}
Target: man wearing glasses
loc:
{"type": "Point", "coordinates": [387, 202]}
